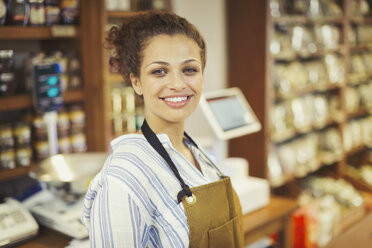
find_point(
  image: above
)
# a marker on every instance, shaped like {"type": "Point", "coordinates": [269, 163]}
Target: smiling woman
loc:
{"type": "Point", "coordinates": [157, 188]}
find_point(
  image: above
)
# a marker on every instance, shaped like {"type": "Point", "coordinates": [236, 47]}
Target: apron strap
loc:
{"type": "Point", "coordinates": [156, 144]}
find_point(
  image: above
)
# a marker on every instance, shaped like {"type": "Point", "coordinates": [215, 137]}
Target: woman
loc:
{"type": "Point", "coordinates": [157, 189]}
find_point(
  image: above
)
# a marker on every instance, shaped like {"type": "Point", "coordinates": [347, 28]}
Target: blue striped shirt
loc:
{"type": "Point", "coordinates": [132, 201]}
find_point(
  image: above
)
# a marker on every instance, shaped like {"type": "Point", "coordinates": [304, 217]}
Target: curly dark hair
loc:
{"type": "Point", "coordinates": [129, 40]}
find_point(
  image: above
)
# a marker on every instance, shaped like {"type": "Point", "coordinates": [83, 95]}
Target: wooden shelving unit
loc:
{"type": "Point", "coordinates": [252, 68]}
{"type": "Point", "coordinates": [85, 39]}
{"type": "Point", "coordinates": [23, 101]}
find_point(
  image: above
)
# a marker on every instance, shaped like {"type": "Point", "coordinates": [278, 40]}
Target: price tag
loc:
{"type": "Point", "coordinates": [63, 31]}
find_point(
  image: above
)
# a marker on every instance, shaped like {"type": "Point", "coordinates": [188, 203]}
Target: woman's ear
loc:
{"type": "Point", "coordinates": [136, 84]}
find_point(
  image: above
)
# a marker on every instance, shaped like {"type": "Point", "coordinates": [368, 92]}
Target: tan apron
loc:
{"type": "Point", "coordinates": [213, 210]}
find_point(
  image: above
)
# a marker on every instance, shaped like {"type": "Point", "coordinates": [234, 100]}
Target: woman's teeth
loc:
{"type": "Point", "coordinates": [175, 99]}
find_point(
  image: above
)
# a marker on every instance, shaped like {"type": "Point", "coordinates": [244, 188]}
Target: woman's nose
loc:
{"type": "Point", "coordinates": [176, 81]}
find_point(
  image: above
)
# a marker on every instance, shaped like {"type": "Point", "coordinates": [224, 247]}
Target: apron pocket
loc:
{"type": "Point", "coordinates": [222, 236]}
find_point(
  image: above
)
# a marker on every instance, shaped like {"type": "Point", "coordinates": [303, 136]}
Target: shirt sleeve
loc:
{"type": "Point", "coordinates": [116, 220]}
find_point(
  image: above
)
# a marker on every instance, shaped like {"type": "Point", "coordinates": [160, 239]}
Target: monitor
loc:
{"type": "Point", "coordinates": [229, 113]}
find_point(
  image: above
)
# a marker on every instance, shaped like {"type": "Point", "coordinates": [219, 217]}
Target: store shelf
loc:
{"type": "Point", "coordinates": [120, 14]}
{"type": "Point", "coordinates": [305, 19]}
{"type": "Point", "coordinates": [14, 173]}
{"type": "Point", "coordinates": [23, 101]}
{"type": "Point", "coordinates": [38, 33]}
{"type": "Point", "coordinates": [307, 90]}
{"type": "Point", "coordinates": [356, 150]}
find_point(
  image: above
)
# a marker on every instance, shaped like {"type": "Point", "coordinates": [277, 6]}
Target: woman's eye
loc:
{"type": "Point", "coordinates": [190, 70]}
{"type": "Point", "coordinates": [159, 72]}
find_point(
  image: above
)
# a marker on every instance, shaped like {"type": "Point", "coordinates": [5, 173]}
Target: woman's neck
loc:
{"type": "Point", "coordinates": [175, 132]}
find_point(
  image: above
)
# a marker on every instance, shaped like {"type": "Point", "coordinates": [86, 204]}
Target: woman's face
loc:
{"type": "Point", "coordinates": [171, 79]}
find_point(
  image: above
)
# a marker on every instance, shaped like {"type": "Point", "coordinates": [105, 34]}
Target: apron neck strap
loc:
{"type": "Point", "coordinates": [156, 144]}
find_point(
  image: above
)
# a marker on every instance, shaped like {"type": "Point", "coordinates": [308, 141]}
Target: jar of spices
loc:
{"type": "Point", "coordinates": [3, 10]}
{"type": "Point", "coordinates": [6, 137]}
{"type": "Point", "coordinates": [22, 134]}
{"type": "Point", "coordinates": [37, 12]}
{"type": "Point", "coordinates": [23, 156]}
{"type": "Point", "coordinates": [18, 12]}
{"type": "Point", "coordinates": [7, 75]}
{"type": "Point", "coordinates": [7, 159]}
{"type": "Point", "coordinates": [52, 12]}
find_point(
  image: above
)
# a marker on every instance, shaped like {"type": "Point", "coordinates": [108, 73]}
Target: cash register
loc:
{"type": "Point", "coordinates": [230, 115]}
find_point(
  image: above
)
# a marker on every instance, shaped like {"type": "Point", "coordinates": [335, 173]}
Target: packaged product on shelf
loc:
{"type": "Point", "coordinates": [277, 176]}
{"type": "Point", "coordinates": [70, 11]}
{"type": "Point", "coordinates": [362, 172]}
{"type": "Point", "coordinates": [331, 8]}
{"type": "Point", "coordinates": [317, 73]}
{"type": "Point", "coordinates": [368, 62]}
{"type": "Point", "coordinates": [367, 131]}
{"type": "Point", "coordinates": [352, 36]}
{"type": "Point", "coordinates": [356, 132]}
{"type": "Point", "coordinates": [286, 154]}
{"type": "Point", "coordinates": [328, 35]}
{"type": "Point", "coordinates": [52, 12]}
{"type": "Point", "coordinates": [37, 12]}
{"type": "Point", "coordinates": [3, 11]}
{"type": "Point", "coordinates": [63, 123]}
{"type": "Point", "coordinates": [314, 9]}
{"type": "Point", "coordinates": [358, 70]}
{"type": "Point", "coordinates": [6, 136]}
{"type": "Point", "coordinates": [77, 118]}
{"type": "Point", "coordinates": [340, 189]}
{"type": "Point", "coordinates": [352, 100]}
{"type": "Point", "coordinates": [330, 146]}
{"type": "Point", "coordinates": [7, 159]}
{"type": "Point", "coordinates": [40, 128]}
{"type": "Point", "coordinates": [365, 34]}
{"type": "Point", "coordinates": [324, 212]}
{"type": "Point", "coordinates": [304, 227]}
{"type": "Point", "coordinates": [276, 8]}
{"type": "Point", "coordinates": [302, 41]}
{"type": "Point", "coordinates": [22, 134]}
{"type": "Point", "coordinates": [280, 44]}
{"type": "Point", "coordinates": [23, 156]}
{"type": "Point", "coordinates": [302, 117]}
{"type": "Point", "coordinates": [41, 149]}
{"type": "Point", "coordinates": [335, 68]}
{"type": "Point", "coordinates": [281, 122]}
{"type": "Point", "coordinates": [18, 12]}
{"type": "Point", "coordinates": [321, 111]}
{"type": "Point", "coordinates": [300, 156]}
{"type": "Point", "coordinates": [78, 142]}
{"type": "Point", "coordinates": [74, 71]}
{"type": "Point", "coordinates": [7, 74]}
{"type": "Point", "coordinates": [293, 75]}
{"type": "Point", "coordinates": [297, 7]}
{"type": "Point", "coordinates": [64, 145]}
{"type": "Point", "coordinates": [359, 7]}
{"type": "Point", "coordinates": [352, 134]}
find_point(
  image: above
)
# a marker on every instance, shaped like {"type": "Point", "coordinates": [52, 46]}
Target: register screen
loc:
{"type": "Point", "coordinates": [229, 112]}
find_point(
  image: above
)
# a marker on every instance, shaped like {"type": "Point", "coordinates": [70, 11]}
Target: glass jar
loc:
{"type": "Point", "coordinates": [3, 10]}
{"type": "Point", "coordinates": [37, 12]}
{"type": "Point", "coordinates": [18, 12]}
{"type": "Point", "coordinates": [52, 12]}
{"type": "Point", "coordinates": [7, 76]}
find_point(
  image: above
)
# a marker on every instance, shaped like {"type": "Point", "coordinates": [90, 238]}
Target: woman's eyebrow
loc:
{"type": "Point", "coordinates": [158, 62]}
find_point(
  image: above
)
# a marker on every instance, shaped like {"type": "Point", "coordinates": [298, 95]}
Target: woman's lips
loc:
{"type": "Point", "coordinates": [176, 101]}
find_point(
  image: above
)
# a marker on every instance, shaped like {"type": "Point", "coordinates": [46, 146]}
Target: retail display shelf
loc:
{"type": "Point", "coordinates": [38, 33]}
{"type": "Point", "coordinates": [23, 101]}
{"type": "Point", "coordinates": [120, 14]}
{"type": "Point", "coordinates": [8, 174]}
{"type": "Point", "coordinates": [308, 90]}
{"type": "Point", "coordinates": [361, 19]}
{"type": "Point", "coordinates": [356, 150]}
{"type": "Point", "coordinates": [359, 113]}
{"type": "Point", "coordinates": [304, 19]}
